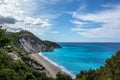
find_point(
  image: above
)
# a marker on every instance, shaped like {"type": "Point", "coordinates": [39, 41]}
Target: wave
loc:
{"type": "Point", "coordinates": [57, 65]}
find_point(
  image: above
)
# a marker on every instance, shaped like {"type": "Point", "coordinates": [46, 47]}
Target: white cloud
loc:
{"type": "Point", "coordinates": [108, 19]}
{"type": "Point", "coordinates": [16, 10]}
{"type": "Point", "coordinates": [79, 29]}
{"type": "Point", "coordinates": [77, 22]}
{"type": "Point", "coordinates": [55, 32]}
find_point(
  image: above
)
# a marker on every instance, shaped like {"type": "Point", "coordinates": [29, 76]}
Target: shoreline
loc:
{"type": "Point", "coordinates": [62, 68]}
{"type": "Point", "coordinates": [52, 67]}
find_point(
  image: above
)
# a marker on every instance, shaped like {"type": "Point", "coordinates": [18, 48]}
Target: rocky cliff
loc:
{"type": "Point", "coordinates": [32, 44]}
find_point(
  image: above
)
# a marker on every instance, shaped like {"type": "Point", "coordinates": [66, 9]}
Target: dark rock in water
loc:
{"type": "Point", "coordinates": [32, 44]}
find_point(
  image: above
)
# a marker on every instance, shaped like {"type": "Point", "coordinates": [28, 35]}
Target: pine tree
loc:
{"type": "Point", "coordinates": [4, 39]}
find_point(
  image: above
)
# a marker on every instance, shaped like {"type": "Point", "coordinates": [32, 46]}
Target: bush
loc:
{"type": "Point", "coordinates": [63, 77]}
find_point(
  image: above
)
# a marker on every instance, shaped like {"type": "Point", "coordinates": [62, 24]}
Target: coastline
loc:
{"type": "Point", "coordinates": [52, 67]}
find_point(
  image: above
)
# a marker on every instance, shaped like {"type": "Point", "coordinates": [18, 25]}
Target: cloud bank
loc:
{"type": "Point", "coordinates": [13, 14]}
{"type": "Point", "coordinates": [109, 21]}
{"type": "Point", "coordinates": [7, 20]}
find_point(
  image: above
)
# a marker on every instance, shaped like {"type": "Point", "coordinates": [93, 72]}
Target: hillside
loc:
{"type": "Point", "coordinates": [17, 69]}
{"type": "Point", "coordinates": [29, 43]}
{"type": "Point", "coordinates": [15, 64]}
{"type": "Point", "coordinates": [110, 71]}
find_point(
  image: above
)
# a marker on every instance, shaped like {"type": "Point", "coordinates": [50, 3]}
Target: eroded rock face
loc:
{"type": "Point", "coordinates": [32, 44]}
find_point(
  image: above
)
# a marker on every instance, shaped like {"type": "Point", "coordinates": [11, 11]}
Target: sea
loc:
{"type": "Point", "coordinates": [74, 57]}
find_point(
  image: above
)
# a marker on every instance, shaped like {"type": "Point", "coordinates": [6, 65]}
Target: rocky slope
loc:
{"type": "Point", "coordinates": [30, 43]}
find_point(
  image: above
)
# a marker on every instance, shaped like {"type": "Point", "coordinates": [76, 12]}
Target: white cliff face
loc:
{"type": "Point", "coordinates": [31, 44]}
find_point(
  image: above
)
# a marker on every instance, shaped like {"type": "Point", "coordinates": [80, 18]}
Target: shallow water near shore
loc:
{"type": "Point", "coordinates": [73, 57]}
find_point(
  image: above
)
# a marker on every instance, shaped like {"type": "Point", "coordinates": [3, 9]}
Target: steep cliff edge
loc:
{"type": "Point", "coordinates": [29, 43]}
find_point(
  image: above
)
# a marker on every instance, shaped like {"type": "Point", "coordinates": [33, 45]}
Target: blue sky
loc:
{"type": "Point", "coordinates": [66, 20]}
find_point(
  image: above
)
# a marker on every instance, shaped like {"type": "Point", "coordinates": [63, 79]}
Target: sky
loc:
{"type": "Point", "coordinates": [64, 20]}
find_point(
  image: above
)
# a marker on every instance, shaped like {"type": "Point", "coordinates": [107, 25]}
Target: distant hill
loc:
{"type": "Point", "coordinates": [29, 43]}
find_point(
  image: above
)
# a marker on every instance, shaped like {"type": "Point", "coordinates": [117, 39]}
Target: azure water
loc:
{"type": "Point", "coordinates": [82, 56]}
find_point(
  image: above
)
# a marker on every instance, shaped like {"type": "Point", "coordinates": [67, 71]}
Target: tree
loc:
{"type": "Point", "coordinates": [8, 74]}
{"type": "Point", "coordinates": [4, 39]}
{"type": "Point", "coordinates": [29, 76]}
{"type": "Point", "coordinates": [63, 77]}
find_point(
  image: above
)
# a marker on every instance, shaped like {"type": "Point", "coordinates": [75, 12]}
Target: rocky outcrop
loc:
{"type": "Point", "coordinates": [32, 44]}
{"type": "Point", "coordinates": [32, 63]}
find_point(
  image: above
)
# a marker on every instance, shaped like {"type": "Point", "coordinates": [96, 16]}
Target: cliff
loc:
{"type": "Point", "coordinates": [17, 65]}
{"type": "Point", "coordinates": [29, 43]}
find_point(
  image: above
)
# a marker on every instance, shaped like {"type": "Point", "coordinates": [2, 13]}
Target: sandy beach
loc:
{"type": "Point", "coordinates": [52, 69]}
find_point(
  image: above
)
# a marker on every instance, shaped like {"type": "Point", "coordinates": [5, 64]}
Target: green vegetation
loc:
{"type": "Point", "coordinates": [14, 44]}
{"type": "Point", "coordinates": [63, 77]}
{"type": "Point", "coordinates": [19, 69]}
{"type": "Point", "coordinates": [111, 70]}
{"type": "Point", "coordinates": [11, 69]}
{"type": "Point", "coordinates": [4, 39]}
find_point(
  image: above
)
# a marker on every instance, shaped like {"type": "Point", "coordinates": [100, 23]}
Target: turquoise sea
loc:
{"type": "Point", "coordinates": [73, 57]}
